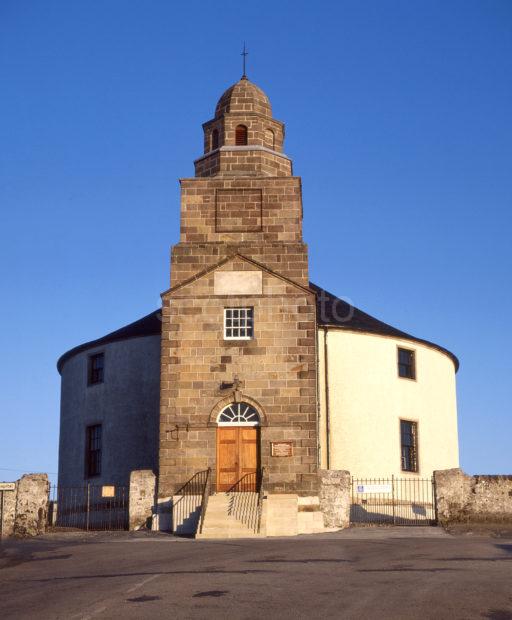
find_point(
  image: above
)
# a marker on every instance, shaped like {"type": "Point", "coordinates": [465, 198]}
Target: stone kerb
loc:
{"type": "Point", "coordinates": [334, 495]}
{"type": "Point", "coordinates": [142, 498]}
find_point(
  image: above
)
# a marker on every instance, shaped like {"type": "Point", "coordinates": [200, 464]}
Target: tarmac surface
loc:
{"type": "Point", "coordinates": [358, 573]}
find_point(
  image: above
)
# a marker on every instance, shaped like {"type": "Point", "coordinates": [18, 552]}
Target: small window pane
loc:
{"type": "Point", "coordinates": [406, 364]}
{"type": "Point", "coordinates": [239, 414]}
{"type": "Point", "coordinates": [215, 139]}
{"type": "Point", "coordinates": [409, 445]}
{"type": "Point", "coordinates": [93, 450]}
{"type": "Point", "coordinates": [238, 323]}
{"type": "Point", "coordinates": [95, 370]}
{"type": "Point", "coordinates": [240, 135]}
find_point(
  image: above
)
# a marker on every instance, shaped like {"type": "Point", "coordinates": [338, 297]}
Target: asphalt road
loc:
{"type": "Point", "coordinates": [391, 573]}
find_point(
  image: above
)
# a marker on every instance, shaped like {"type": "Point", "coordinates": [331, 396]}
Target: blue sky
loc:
{"type": "Point", "coordinates": [398, 117]}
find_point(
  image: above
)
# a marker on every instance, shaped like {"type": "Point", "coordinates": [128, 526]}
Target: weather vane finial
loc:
{"type": "Point", "coordinates": [244, 54]}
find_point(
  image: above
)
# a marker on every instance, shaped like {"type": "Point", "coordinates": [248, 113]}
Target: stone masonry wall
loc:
{"type": "Point", "coordinates": [241, 212]}
{"type": "Point", "coordinates": [281, 205]}
{"type": "Point", "coordinates": [244, 161]}
{"type": "Point", "coordinates": [261, 131]}
{"type": "Point", "coordinates": [463, 498]}
{"type": "Point", "coordinates": [141, 498]}
{"type": "Point", "coordinates": [276, 369]}
{"type": "Point", "coordinates": [191, 259]}
{"type": "Point", "coordinates": [334, 495]}
{"type": "Point", "coordinates": [26, 508]}
{"type": "Point", "coordinates": [205, 238]}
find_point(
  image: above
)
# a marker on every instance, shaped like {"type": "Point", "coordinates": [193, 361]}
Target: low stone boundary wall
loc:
{"type": "Point", "coordinates": [334, 495]}
{"type": "Point", "coordinates": [141, 499]}
{"type": "Point", "coordinates": [25, 510]}
{"type": "Point", "coordinates": [472, 499]}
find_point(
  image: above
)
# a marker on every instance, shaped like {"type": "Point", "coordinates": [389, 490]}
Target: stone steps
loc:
{"type": "Point", "coordinates": [220, 520]}
{"type": "Point", "coordinates": [228, 514]}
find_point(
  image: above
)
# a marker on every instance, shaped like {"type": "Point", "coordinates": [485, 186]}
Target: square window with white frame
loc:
{"type": "Point", "coordinates": [238, 323]}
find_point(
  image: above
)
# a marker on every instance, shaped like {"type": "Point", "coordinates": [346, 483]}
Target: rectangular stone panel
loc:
{"type": "Point", "coordinates": [238, 283]}
{"type": "Point", "coordinates": [238, 210]}
{"type": "Point", "coordinates": [281, 448]}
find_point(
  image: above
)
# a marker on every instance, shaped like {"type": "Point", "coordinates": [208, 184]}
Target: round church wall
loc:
{"type": "Point", "coordinates": [363, 401]}
{"type": "Point", "coordinates": [124, 405]}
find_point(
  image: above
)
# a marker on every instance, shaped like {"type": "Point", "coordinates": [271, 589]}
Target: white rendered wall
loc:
{"type": "Point", "coordinates": [367, 399]}
{"type": "Point", "coordinates": [126, 404]}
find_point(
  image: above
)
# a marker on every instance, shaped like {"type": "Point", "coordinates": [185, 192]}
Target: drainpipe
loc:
{"type": "Point", "coordinates": [327, 409]}
{"type": "Point", "coordinates": [318, 409]}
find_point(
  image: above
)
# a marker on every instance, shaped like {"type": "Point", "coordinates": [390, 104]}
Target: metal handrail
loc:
{"type": "Point", "coordinates": [193, 484]}
{"type": "Point", "coordinates": [204, 499]}
{"type": "Point", "coordinates": [261, 471]}
{"type": "Point", "coordinates": [246, 497]}
{"type": "Point", "coordinates": [193, 488]}
{"type": "Point", "coordinates": [247, 483]}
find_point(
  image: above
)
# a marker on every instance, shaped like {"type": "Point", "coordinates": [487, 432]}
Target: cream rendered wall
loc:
{"type": "Point", "coordinates": [367, 399]}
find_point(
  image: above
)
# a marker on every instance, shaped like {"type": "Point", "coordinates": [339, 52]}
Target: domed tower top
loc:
{"type": "Point", "coordinates": [243, 139]}
{"type": "Point", "coordinates": [244, 96]}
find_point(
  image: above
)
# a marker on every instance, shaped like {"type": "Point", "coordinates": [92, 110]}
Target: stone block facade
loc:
{"type": "Point", "coordinates": [276, 370]}
{"type": "Point", "coordinates": [244, 103]}
{"type": "Point", "coordinates": [241, 213]}
{"type": "Point", "coordinates": [243, 161]}
{"type": "Point", "coordinates": [281, 515]}
{"type": "Point", "coordinates": [263, 221]}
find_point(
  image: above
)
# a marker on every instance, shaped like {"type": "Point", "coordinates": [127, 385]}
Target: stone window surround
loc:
{"type": "Point", "coordinates": [236, 396]}
{"type": "Point", "coordinates": [239, 415]}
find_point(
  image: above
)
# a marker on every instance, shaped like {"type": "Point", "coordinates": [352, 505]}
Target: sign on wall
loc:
{"type": "Point", "coordinates": [374, 488]}
{"type": "Point", "coordinates": [108, 491]}
{"type": "Point", "coordinates": [7, 486]}
{"type": "Point", "coordinates": [281, 448]}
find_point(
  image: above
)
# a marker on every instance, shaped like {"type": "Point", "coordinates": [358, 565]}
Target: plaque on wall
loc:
{"type": "Point", "coordinates": [108, 491]}
{"type": "Point", "coordinates": [237, 283]}
{"type": "Point", "coordinates": [281, 448]}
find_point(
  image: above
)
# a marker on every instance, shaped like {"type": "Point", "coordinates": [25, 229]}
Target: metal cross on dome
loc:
{"type": "Point", "coordinates": [244, 54]}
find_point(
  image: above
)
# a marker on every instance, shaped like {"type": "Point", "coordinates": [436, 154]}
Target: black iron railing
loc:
{"type": "Point", "coordinates": [393, 501]}
{"type": "Point", "coordinates": [188, 504]}
{"type": "Point", "coordinates": [246, 498]}
{"type": "Point", "coordinates": [89, 507]}
{"type": "Point", "coordinates": [260, 499]}
{"type": "Point", "coordinates": [204, 500]}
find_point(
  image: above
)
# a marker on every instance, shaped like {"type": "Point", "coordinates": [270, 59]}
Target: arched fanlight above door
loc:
{"type": "Point", "coordinates": [238, 414]}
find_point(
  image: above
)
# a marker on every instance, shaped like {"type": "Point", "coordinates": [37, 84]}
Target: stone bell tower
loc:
{"type": "Point", "coordinates": [238, 374]}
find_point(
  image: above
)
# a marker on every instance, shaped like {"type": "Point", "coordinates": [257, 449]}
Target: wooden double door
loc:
{"type": "Point", "coordinates": [238, 458]}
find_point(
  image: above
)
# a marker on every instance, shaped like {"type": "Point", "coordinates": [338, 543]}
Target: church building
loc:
{"type": "Point", "coordinates": [248, 369]}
